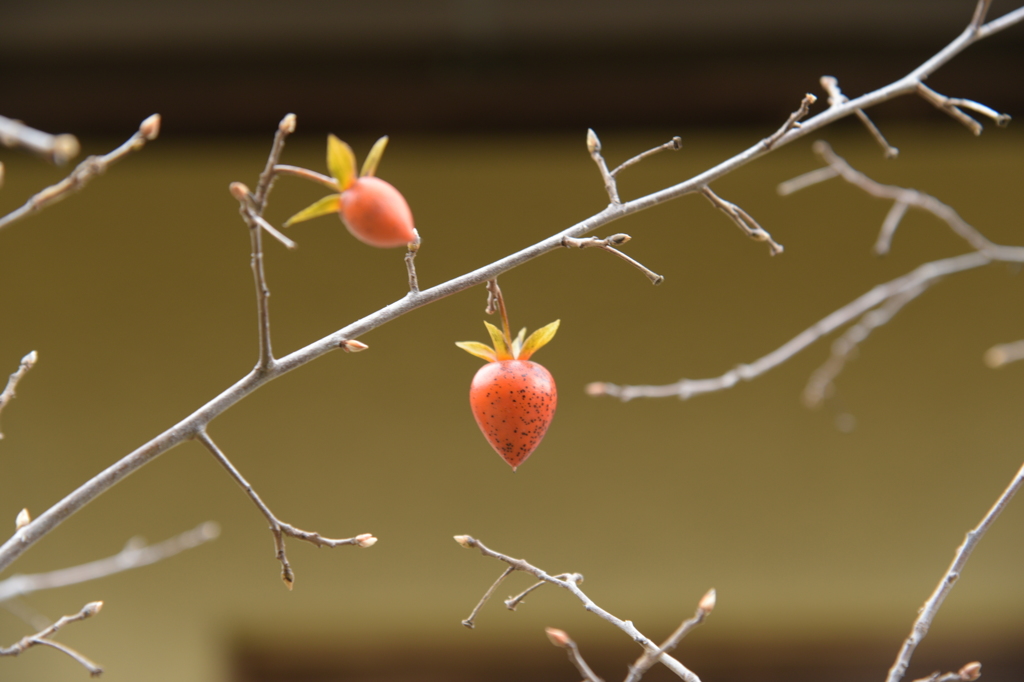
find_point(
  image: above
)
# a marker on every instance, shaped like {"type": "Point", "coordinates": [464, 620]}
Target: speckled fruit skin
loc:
{"type": "Point", "coordinates": [513, 402]}
{"type": "Point", "coordinates": [377, 214]}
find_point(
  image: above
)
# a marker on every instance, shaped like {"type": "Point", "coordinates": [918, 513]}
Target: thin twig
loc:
{"type": "Point", "coordinates": [837, 98]}
{"type": "Point", "coordinates": [278, 528]}
{"type": "Point", "coordinates": [410, 265]}
{"type": "Point", "coordinates": [187, 428]}
{"type": "Point", "coordinates": [512, 602]}
{"type": "Point", "coordinates": [58, 149]}
{"type": "Point", "coordinates": [27, 363]}
{"type": "Point", "coordinates": [821, 383]}
{"type": "Point", "coordinates": [296, 171]}
{"type": "Point", "coordinates": [963, 553]}
{"type": "Point", "coordinates": [610, 186]}
{"type": "Point", "coordinates": [1004, 353]}
{"type": "Point", "coordinates": [562, 640]}
{"type": "Point", "coordinates": [793, 122]}
{"type": "Point", "coordinates": [134, 555]}
{"type": "Point", "coordinates": [952, 106]}
{"type": "Point", "coordinates": [688, 388]}
{"type": "Point", "coordinates": [675, 144]}
{"type": "Point", "coordinates": [571, 585]}
{"type": "Point", "coordinates": [607, 245]}
{"type": "Point", "coordinates": [84, 172]}
{"type": "Point", "coordinates": [647, 659]}
{"type": "Point", "coordinates": [42, 638]}
{"type": "Point", "coordinates": [469, 622]}
{"type": "Point", "coordinates": [743, 220]}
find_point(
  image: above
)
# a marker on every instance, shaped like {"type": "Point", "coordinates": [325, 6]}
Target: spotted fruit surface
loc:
{"type": "Point", "coordinates": [513, 399]}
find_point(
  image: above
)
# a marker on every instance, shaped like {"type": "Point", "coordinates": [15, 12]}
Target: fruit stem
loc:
{"type": "Point", "coordinates": [495, 291]}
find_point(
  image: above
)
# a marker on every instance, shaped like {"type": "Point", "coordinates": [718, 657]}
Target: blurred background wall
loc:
{"type": "Point", "coordinates": [821, 541]}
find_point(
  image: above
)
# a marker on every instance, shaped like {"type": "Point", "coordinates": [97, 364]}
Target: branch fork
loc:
{"type": "Point", "coordinates": [42, 638]}
{"type": "Point", "coordinates": [608, 244]}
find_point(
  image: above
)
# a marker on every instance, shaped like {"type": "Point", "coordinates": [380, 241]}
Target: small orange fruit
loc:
{"type": "Point", "coordinates": [513, 399]}
{"type": "Point", "coordinates": [373, 210]}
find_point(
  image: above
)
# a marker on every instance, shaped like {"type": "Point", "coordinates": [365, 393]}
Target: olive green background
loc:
{"type": "Point", "coordinates": [137, 294]}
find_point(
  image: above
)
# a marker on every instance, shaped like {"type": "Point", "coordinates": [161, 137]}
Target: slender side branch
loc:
{"type": "Point", "coordinates": [675, 144]}
{"type": "Point", "coordinates": [968, 673]}
{"type": "Point", "coordinates": [85, 171]}
{"type": "Point", "coordinates": [134, 555]}
{"type": "Point", "coordinates": [607, 245]}
{"type": "Point", "coordinates": [837, 98]}
{"type": "Point", "coordinates": [278, 528]}
{"type": "Point", "coordinates": [512, 602]}
{"type": "Point", "coordinates": [58, 149]}
{"type": "Point", "coordinates": [963, 553]}
{"type": "Point", "coordinates": [688, 388]}
{"type": "Point", "coordinates": [27, 363]}
{"type": "Point", "coordinates": [42, 638]}
{"type": "Point", "coordinates": [954, 107]}
{"type": "Point", "coordinates": [189, 427]}
{"type": "Point", "coordinates": [792, 123]}
{"type": "Point", "coordinates": [469, 622]}
{"type": "Point", "coordinates": [1004, 353]}
{"type": "Point", "coordinates": [647, 659]}
{"type": "Point", "coordinates": [570, 584]}
{"type": "Point", "coordinates": [562, 640]}
{"type": "Point", "coordinates": [743, 220]}
{"type": "Point", "coordinates": [822, 381]}
{"type": "Point", "coordinates": [610, 186]}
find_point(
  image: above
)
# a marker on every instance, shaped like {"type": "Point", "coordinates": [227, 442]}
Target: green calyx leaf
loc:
{"type": "Point", "coordinates": [538, 339]}
{"type": "Point", "coordinates": [341, 162]}
{"type": "Point", "coordinates": [329, 204]}
{"type": "Point", "coordinates": [373, 158]}
{"type": "Point", "coordinates": [481, 350]}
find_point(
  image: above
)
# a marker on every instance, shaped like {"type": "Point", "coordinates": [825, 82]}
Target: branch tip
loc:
{"type": "Point", "coordinates": [366, 540]}
{"type": "Point", "coordinates": [287, 125]}
{"type": "Point", "coordinates": [22, 520]}
{"type": "Point", "coordinates": [150, 128]}
{"type": "Point", "coordinates": [593, 143]}
{"type": "Point", "coordinates": [465, 541]}
{"type": "Point", "coordinates": [240, 191]}
{"type": "Point", "coordinates": [707, 602]}
{"type": "Point", "coordinates": [558, 637]}
{"type": "Point", "coordinates": [352, 346]}
{"type": "Point", "coordinates": [970, 672]}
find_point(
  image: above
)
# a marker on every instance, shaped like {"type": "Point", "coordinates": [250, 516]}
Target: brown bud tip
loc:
{"type": "Point", "coordinates": [995, 357]}
{"type": "Point", "coordinates": [23, 519]}
{"type": "Point", "coordinates": [287, 125]}
{"type": "Point", "coordinates": [970, 672]}
{"type": "Point", "coordinates": [677, 143]}
{"type": "Point", "coordinates": [350, 346]}
{"type": "Point", "coordinates": [595, 388]}
{"type": "Point", "coordinates": [65, 148]}
{"type": "Point", "coordinates": [558, 637]}
{"type": "Point", "coordinates": [464, 540]}
{"type": "Point", "coordinates": [811, 99]}
{"type": "Point", "coordinates": [150, 128]}
{"type": "Point", "coordinates": [239, 190]}
{"type": "Point", "coordinates": [707, 602]}
{"type": "Point", "coordinates": [366, 540]}
{"type": "Point", "coordinates": [92, 608]}
{"type": "Point", "coordinates": [593, 144]}
{"type": "Point", "coordinates": [618, 239]}
{"type": "Point", "coordinates": [288, 578]}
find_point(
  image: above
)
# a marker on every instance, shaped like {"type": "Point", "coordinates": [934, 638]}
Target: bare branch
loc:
{"type": "Point", "coordinates": [42, 638]}
{"type": "Point", "coordinates": [512, 602]}
{"type": "Point", "coordinates": [562, 640]}
{"type": "Point", "coordinates": [278, 528]}
{"type": "Point", "coordinates": [58, 149]}
{"type": "Point", "coordinates": [189, 427]}
{"type": "Point", "coordinates": [570, 584]}
{"type": "Point", "coordinates": [85, 171]}
{"type": "Point", "coordinates": [821, 383]}
{"type": "Point", "coordinates": [793, 122]}
{"type": "Point", "coordinates": [953, 107]}
{"type": "Point", "coordinates": [931, 607]}
{"type": "Point", "coordinates": [305, 173]}
{"type": "Point", "coordinates": [647, 660]}
{"type": "Point", "coordinates": [469, 622]}
{"type": "Point", "coordinates": [610, 186]}
{"type": "Point", "coordinates": [1004, 353]}
{"type": "Point", "coordinates": [968, 673]}
{"type": "Point", "coordinates": [743, 221]}
{"type": "Point", "coordinates": [836, 98]}
{"type": "Point", "coordinates": [27, 363]}
{"type": "Point", "coordinates": [606, 245]}
{"type": "Point", "coordinates": [134, 555]}
{"type": "Point", "coordinates": [675, 144]}
{"type": "Point", "coordinates": [688, 388]}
